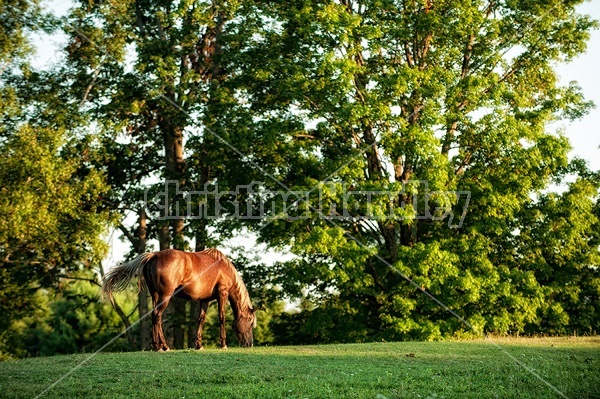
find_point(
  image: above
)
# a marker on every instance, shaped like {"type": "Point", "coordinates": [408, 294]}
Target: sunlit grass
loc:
{"type": "Point", "coordinates": [468, 369]}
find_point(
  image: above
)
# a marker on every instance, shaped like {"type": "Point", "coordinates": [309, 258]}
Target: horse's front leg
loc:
{"type": "Point", "coordinates": [222, 301]}
{"type": "Point", "coordinates": [201, 320]}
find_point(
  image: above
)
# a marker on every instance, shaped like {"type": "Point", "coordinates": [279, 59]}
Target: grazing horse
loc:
{"type": "Point", "coordinates": [197, 276]}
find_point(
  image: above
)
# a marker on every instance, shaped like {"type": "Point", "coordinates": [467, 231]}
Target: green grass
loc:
{"type": "Point", "coordinates": [463, 369]}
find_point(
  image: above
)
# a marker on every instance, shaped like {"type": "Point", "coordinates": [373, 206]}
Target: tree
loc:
{"type": "Point", "coordinates": [150, 71]}
{"type": "Point", "coordinates": [52, 218]}
{"type": "Point", "coordinates": [385, 112]}
{"type": "Point", "coordinates": [558, 244]}
{"type": "Point", "coordinates": [70, 320]}
{"type": "Point", "coordinates": [374, 125]}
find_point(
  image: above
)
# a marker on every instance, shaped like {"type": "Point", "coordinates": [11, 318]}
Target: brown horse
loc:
{"type": "Point", "coordinates": [198, 276]}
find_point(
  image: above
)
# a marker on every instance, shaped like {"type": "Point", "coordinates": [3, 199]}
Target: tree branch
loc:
{"type": "Point", "coordinates": [132, 239]}
{"type": "Point", "coordinates": [89, 280]}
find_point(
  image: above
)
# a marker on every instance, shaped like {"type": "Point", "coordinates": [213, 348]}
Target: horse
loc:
{"type": "Point", "coordinates": [199, 276]}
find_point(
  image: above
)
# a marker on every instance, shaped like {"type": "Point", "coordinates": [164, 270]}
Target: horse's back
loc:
{"type": "Point", "coordinates": [194, 275]}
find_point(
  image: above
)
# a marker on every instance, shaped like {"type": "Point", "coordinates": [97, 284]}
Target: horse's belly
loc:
{"type": "Point", "coordinates": [194, 293]}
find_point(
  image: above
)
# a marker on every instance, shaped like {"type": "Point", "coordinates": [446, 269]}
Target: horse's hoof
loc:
{"type": "Point", "coordinates": [224, 347]}
{"type": "Point", "coordinates": [200, 348]}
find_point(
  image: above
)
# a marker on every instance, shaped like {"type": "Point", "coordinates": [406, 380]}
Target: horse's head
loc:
{"type": "Point", "coordinates": [243, 326]}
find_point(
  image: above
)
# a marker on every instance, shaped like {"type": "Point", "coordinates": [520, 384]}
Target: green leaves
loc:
{"type": "Point", "coordinates": [386, 120]}
{"type": "Point", "coordinates": [456, 95]}
{"type": "Point", "coordinates": [52, 217]}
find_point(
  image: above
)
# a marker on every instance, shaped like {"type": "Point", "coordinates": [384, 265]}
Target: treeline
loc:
{"type": "Point", "coordinates": [405, 153]}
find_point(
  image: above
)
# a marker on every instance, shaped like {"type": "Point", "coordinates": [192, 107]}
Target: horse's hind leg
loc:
{"type": "Point", "coordinates": [159, 343]}
{"type": "Point", "coordinates": [201, 320]}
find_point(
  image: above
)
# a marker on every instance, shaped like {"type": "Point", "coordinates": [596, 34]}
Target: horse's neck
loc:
{"type": "Point", "coordinates": [239, 298]}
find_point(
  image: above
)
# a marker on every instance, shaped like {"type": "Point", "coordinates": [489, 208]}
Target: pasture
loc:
{"type": "Point", "coordinates": [458, 369]}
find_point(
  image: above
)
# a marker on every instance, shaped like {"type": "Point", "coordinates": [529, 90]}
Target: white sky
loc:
{"type": "Point", "coordinates": [584, 134]}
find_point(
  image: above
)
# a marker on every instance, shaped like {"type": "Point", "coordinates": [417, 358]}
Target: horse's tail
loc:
{"type": "Point", "coordinates": [118, 278]}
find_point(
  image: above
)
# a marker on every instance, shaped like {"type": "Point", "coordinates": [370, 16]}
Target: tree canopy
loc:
{"type": "Point", "coordinates": [418, 102]}
{"type": "Point", "coordinates": [403, 152]}
{"type": "Point", "coordinates": [52, 215]}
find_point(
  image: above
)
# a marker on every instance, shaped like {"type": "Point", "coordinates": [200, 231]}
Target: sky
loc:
{"type": "Point", "coordinates": [584, 134]}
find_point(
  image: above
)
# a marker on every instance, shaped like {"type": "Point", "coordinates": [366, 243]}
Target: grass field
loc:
{"type": "Point", "coordinates": [461, 369]}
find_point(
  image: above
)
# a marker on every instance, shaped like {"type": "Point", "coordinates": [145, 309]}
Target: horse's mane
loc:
{"type": "Point", "coordinates": [239, 288]}
{"type": "Point", "coordinates": [216, 254]}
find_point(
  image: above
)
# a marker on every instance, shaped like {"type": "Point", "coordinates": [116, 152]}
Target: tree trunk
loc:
{"type": "Point", "coordinates": [194, 308]}
{"type": "Point", "coordinates": [175, 179]}
{"type": "Point", "coordinates": [172, 124]}
{"type": "Point", "coordinates": [143, 302]}
{"type": "Point", "coordinates": [164, 242]}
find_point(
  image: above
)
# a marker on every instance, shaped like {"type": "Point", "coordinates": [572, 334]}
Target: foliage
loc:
{"type": "Point", "coordinates": [72, 320]}
{"type": "Point", "coordinates": [418, 102]}
{"type": "Point", "coordinates": [405, 150]}
{"type": "Point", "coordinates": [52, 218]}
{"type": "Point", "coordinates": [150, 69]}
{"type": "Point", "coordinates": [559, 246]}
